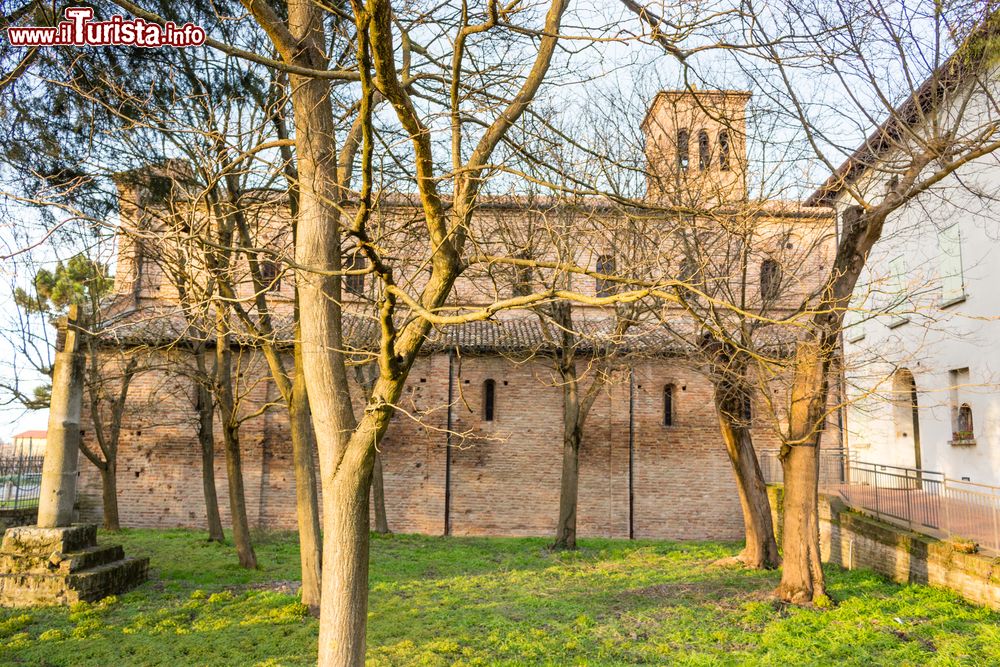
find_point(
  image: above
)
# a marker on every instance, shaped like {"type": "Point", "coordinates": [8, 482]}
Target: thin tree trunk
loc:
{"type": "Point", "coordinates": [206, 438]}
{"type": "Point", "coordinates": [761, 549]}
{"type": "Point", "coordinates": [570, 481]}
{"type": "Point", "coordinates": [378, 497]}
{"type": "Point", "coordinates": [237, 495]}
{"type": "Point", "coordinates": [568, 492]}
{"type": "Point", "coordinates": [306, 497]}
{"type": "Point", "coordinates": [109, 493]}
{"type": "Point", "coordinates": [231, 441]}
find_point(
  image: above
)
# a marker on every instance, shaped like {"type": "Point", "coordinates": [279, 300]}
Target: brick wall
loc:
{"type": "Point", "coordinates": [504, 474]}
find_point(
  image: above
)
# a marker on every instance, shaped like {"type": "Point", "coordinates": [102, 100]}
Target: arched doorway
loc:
{"type": "Point", "coordinates": [906, 415]}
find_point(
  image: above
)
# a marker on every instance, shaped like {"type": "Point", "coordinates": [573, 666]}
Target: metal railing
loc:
{"type": "Point", "coordinates": [833, 465]}
{"type": "Point", "coordinates": [20, 482]}
{"type": "Point", "coordinates": [926, 501]}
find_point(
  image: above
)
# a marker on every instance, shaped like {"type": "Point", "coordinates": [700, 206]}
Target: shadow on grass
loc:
{"type": "Point", "coordinates": [511, 601]}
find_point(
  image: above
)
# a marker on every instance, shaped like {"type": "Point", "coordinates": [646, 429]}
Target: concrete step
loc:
{"type": "Point", "coordinates": [35, 541]}
{"type": "Point", "coordinates": [64, 563]}
{"type": "Point", "coordinates": [35, 589]}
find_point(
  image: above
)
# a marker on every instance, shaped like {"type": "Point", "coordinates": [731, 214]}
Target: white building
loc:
{"type": "Point", "coordinates": [922, 348]}
{"type": "Point", "coordinates": [28, 443]}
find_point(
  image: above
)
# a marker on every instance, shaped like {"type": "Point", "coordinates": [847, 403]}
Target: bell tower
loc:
{"type": "Point", "coordinates": [696, 147]}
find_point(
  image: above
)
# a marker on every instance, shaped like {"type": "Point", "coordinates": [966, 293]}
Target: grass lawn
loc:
{"type": "Point", "coordinates": [437, 601]}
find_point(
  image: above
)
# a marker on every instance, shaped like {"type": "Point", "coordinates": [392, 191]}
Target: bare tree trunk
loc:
{"type": "Point", "coordinates": [802, 573]}
{"type": "Point", "coordinates": [206, 438]}
{"type": "Point", "coordinates": [378, 497]}
{"type": "Point", "coordinates": [568, 492]}
{"type": "Point", "coordinates": [237, 495]}
{"type": "Point", "coordinates": [231, 441]}
{"type": "Point", "coordinates": [306, 497]}
{"type": "Point", "coordinates": [366, 374]}
{"type": "Point", "coordinates": [572, 435]}
{"type": "Point", "coordinates": [345, 572]}
{"type": "Point", "coordinates": [109, 495]}
{"type": "Point", "coordinates": [761, 549]}
{"type": "Point", "coordinates": [345, 479]}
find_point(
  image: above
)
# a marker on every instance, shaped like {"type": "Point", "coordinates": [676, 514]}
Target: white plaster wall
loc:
{"type": "Point", "coordinates": [935, 339]}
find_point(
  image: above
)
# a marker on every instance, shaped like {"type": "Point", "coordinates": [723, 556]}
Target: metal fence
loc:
{"type": "Point", "coordinates": [833, 466]}
{"type": "Point", "coordinates": [922, 500]}
{"type": "Point", "coordinates": [925, 501]}
{"type": "Point", "coordinates": [20, 482]}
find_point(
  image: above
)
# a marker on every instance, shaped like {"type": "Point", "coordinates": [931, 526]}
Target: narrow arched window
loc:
{"type": "Point", "coordinates": [489, 399]}
{"type": "Point", "coordinates": [668, 405]}
{"type": "Point", "coordinates": [606, 266]}
{"type": "Point", "coordinates": [770, 279]}
{"type": "Point", "coordinates": [355, 282]}
{"type": "Point", "coordinates": [270, 275]}
{"type": "Point", "coordinates": [704, 154]}
{"type": "Point", "coordinates": [724, 150]}
{"type": "Point", "coordinates": [690, 271]}
{"type": "Point", "coordinates": [683, 139]}
{"type": "Point", "coordinates": [522, 277]}
{"type": "Point", "coordinates": [965, 421]}
{"type": "Point", "coordinates": [746, 409]}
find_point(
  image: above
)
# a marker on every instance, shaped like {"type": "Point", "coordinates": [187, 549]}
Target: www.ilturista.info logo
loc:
{"type": "Point", "coordinates": [79, 29]}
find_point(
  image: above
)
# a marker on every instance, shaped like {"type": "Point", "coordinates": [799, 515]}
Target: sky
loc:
{"type": "Point", "coordinates": [620, 68]}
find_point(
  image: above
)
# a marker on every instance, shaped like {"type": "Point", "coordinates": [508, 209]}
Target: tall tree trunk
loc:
{"type": "Point", "coordinates": [345, 571]}
{"type": "Point", "coordinates": [306, 497]}
{"type": "Point", "coordinates": [802, 572]}
{"type": "Point", "coordinates": [570, 481]}
{"type": "Point", "coordinates": [109, 494]}
{"type": "Point", "coordinates": [206, 438]}
{"type": "Point", "coordinates": [237, 494]}
{"type": "Point", "coordinates": [761, 549]}
{"type": "Point", "coordinates": [231, 441]}
{"type": "Point", "coordinates": [378, 497]}
{"type": "Point", "coordinates": [344, 598]}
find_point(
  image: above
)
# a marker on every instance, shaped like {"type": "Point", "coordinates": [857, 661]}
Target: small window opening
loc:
{"type": "Point", "coordinates": [270, 275]}
{"type": "Point", "coordinates": [489, 400]}
{"type": "Point", "coordinates": [355, 282]}
{"type": "Point", "coordinates": [683, 139]}
{"type": "Point", "coordinates": [704, 155]}
{"type": "Point", "coordinates": [746, 409]}
{"type": "Point", "coordinates": [770, 279]}
{"type": "Point", "coordinates": [724, 150]}
{"type": "Point", "coordinates": [606, 266]}
{"type": "Point", "coordinates": [668, 405]}
{"type": "Point", "coordinates": [964, 421]}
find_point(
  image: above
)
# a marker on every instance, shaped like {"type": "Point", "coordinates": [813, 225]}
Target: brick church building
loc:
{"type": "Point", "coordinates": [476, 445]}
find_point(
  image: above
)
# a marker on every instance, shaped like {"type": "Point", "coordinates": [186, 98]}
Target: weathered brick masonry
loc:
{"type": "Point", "coordinates": [504, 477]}
{"type": "Point", "coordinates": [638, 476]}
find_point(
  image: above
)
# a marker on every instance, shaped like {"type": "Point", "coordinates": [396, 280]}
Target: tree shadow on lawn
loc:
{"type": "Point", "coordinates": [440, 600]}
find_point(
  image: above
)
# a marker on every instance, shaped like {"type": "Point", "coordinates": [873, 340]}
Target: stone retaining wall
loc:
{"type": "Point", "coordinates": [853, 540]}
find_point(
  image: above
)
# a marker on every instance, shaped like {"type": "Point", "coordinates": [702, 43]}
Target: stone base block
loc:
{"type": "Point", "coordinates": [53, 566]}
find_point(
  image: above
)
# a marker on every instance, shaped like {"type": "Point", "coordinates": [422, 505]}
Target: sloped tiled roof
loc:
{"type": "Point", "coordinates": [166, 327]}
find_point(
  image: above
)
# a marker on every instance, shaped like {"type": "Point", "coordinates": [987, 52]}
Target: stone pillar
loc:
{"type": "Point", "coordinates": [56, 562]}
{"type": "Point", "coordinates": [62, 450]}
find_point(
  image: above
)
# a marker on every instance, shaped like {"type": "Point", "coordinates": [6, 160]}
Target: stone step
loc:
{"type": "Point", "coordinates": [34, 541]}
{"type": "Point", "coordinates": [61, 563]}
{"type": "Point", "coordinates": [94, 583]}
